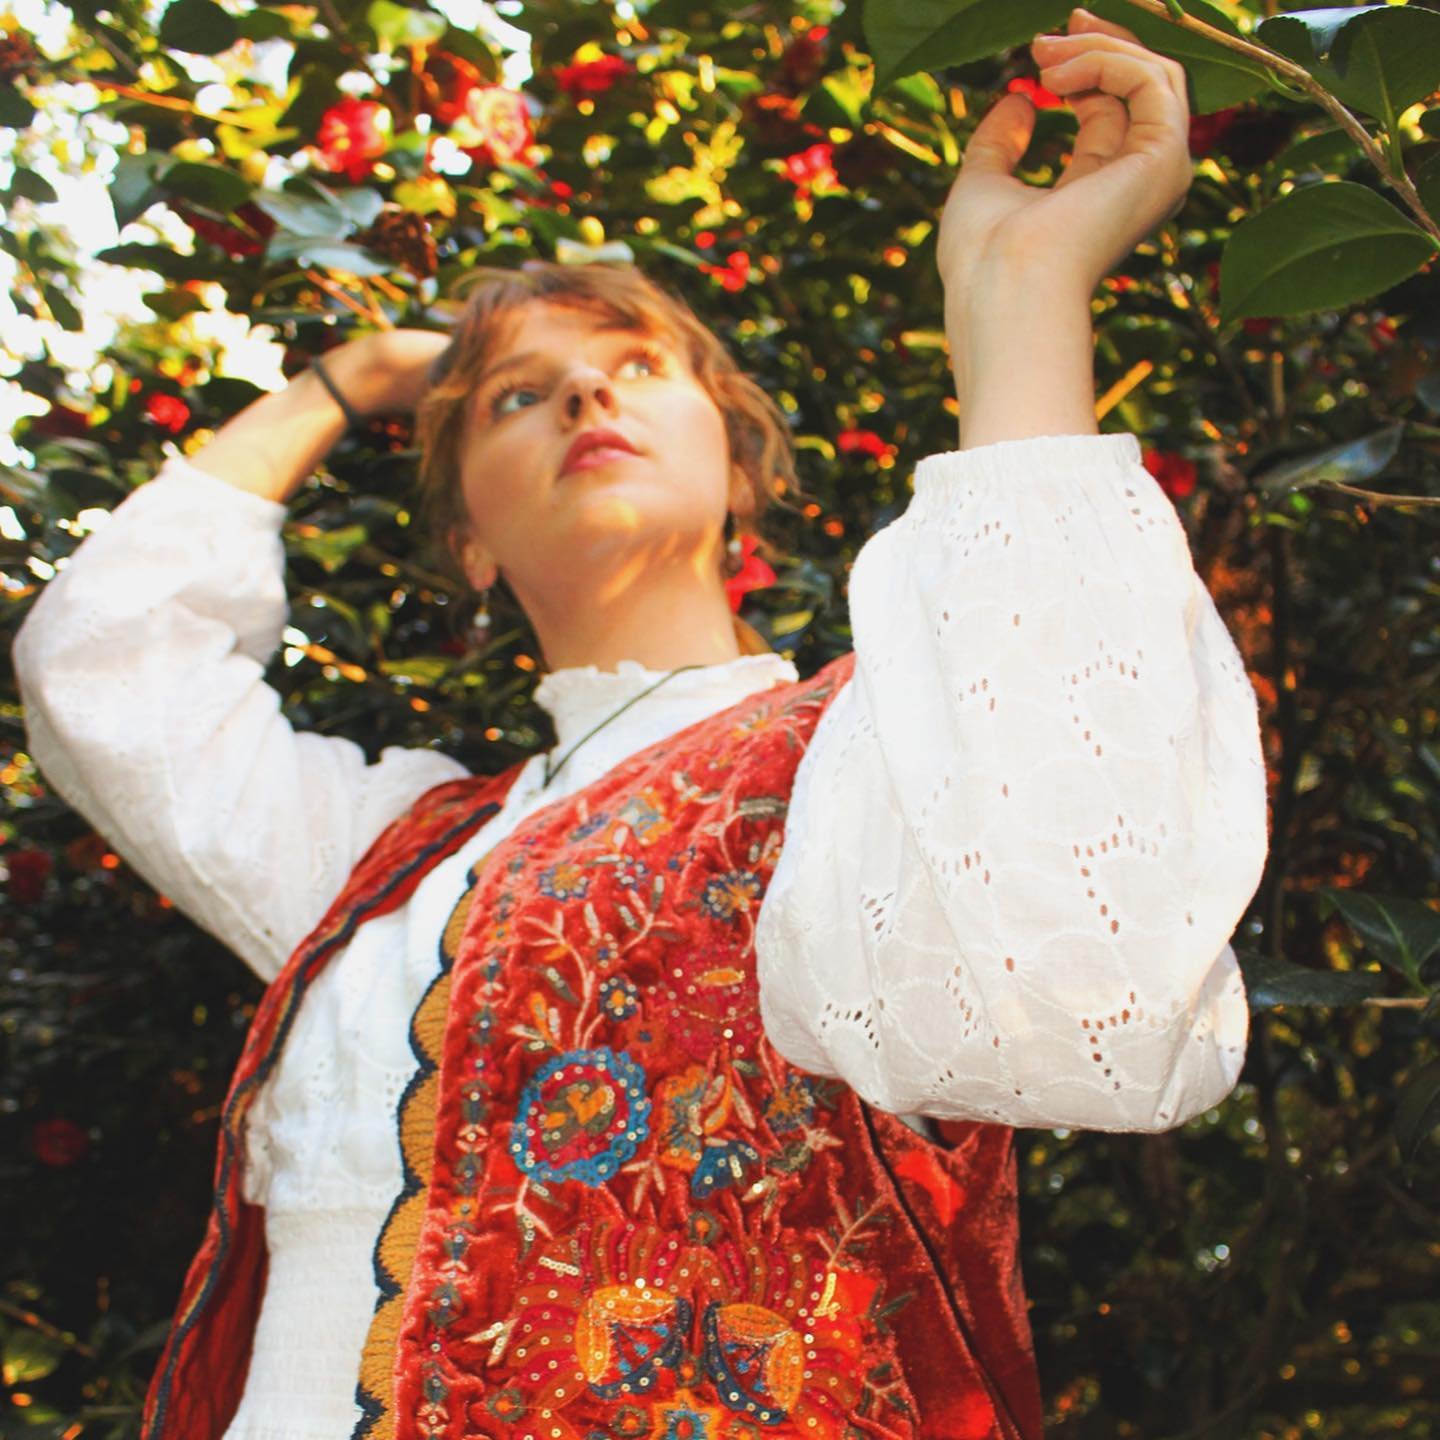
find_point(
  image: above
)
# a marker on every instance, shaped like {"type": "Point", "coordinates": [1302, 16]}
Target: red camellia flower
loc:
{"type": "Point", "coordinates": [1206, 131]}
{"type": "Point", "coordinates": [59, 1142]}
{"type": "Point", "coordinates": [592, 77]}
{"type": "Point", "coordinates": [733, 274]}
{"type": "Point", "coordinates": [495, 126]}
{"type": "Point", "coordinates": [447, 81]}
{"type": "Point", "coordinates": [812, 166]}
{"type": "Point", "coordinates": [29, 869]}
{"type": "Point", "coordinates": [861, 442]}
{"type": "Point", "coordinates": [352, 136]}
{"type": "Point", "coordinates": [1040, 97]}
{"type": "Point", "coordinates": [1175, 474]}
{"type": "Point", "coordinates": [754, 573]}
{"type": "Point", "coordinates": [169, 412]}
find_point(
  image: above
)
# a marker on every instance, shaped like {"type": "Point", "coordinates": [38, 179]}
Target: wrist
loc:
{"type": "Point", "coordinates": [357, 371]}
{"type": "Point", "coordinates": [1022, 356]}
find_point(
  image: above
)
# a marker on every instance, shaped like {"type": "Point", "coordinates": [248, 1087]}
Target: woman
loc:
{"type": "Point", "coordinates": [547, 1125]}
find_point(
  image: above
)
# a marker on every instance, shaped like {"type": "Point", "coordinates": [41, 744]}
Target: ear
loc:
{"type": "Point", "coordinates": [474, 559]}
{"type": "Point", "coordinates": [742, 492]}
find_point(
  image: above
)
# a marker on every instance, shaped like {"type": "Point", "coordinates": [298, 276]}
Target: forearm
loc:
{"type": "Point", "coordinates": [272, 445]}
{"type": "Point", "coordinates": [1022, 355]}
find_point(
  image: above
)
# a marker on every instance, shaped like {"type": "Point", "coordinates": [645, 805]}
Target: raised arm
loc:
{"type": "Point", "coordinates": [1021, 838]}
{"type": "Point", "coordinates": [141, 670]}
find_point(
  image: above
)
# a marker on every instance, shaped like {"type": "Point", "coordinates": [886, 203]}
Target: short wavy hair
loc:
{"type": "Point", "coordinates": [755, 426]}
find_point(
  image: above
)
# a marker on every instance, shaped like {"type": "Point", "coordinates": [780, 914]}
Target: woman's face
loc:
{"type": "Point", "coordinates": [565, 534]}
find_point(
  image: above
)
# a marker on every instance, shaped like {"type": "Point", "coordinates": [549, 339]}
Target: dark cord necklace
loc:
{"type": "Point", "coordinates": [550, 773]}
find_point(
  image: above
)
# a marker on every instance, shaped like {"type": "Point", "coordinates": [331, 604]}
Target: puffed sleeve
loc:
{"type": "Point", "coordinates": [141, 668]}
{"type": "Point", "coordinates": [1024, 832]}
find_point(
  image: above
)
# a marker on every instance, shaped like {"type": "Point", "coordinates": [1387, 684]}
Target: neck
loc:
{"type": "Point", "coordinates": [662, 622]}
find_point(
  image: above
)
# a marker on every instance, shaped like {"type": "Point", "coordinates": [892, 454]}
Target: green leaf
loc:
{"type": "Point", "coordinates": [15, 110]}
{"type": "Point", "coordinates": [299, 215]}
{"type": "Point", "coordinates": [332, 548]}
{"type": "Point", "coordinates": [1331, 152]}
{"type": "Point", "coordinates": [1350, 463]}
{"type": "Point", "coordinates": [1417, 1111]}
{"type": "Point", "coordinates": [1270, 982]}
{"type": "Point", "coordinates": [1375, 58]}
{"type": "Point", "coordinates": [199, 26]}
{"type": "Point", "coordinates": [1401, 933]}
{"type": "Point", "coordinates": [159, 258]}
{"type": "Point", "coordinates": [216, 186]}
{"type": "Point", "coordinates": [905, 36]}
{"type": "Point", "coordinates": [132, 187]}
{"type": "Point", "coordinates": [31, 186]}
{"type": "Point", "coordinates": [173, 304]}
{"type": "Point", "coordinates": [1218, 76]}
{"type": "Point", "coordinates": [421, 669]}
{"type": "Point", "coordinates": [28, 1356]}
{"type": "Point", "coordinates": [1318, 248]}
{"type": "Point", "coordinates": [65, 313]}
{"type": "Point", "coordinates": [400, 25]}
{"type": "Point", "coordinates": [263, 25]}
{"type": "Point", "coordinates": [328, 254]}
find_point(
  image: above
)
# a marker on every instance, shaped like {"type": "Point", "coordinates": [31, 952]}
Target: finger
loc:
{"type": "Point", "coordinates": [1157, 115]}
{"type": "Point", "coordinates": [1103, 123]}
{"type": "Point", "coordinates": [1002, 136]}
{"type": "Point", "coordinates": [1062, 47]}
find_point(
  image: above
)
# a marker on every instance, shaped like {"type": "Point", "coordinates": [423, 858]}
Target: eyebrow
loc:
{"type": "Point", "coordinates": [526, 356]}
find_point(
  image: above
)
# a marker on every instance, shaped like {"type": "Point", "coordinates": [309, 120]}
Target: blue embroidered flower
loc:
{"type": "Point", "coordinates": [721, 1166]}
{"type": "Point", "coordinates": [564, 881]}
{"type": "Point", "coordinates": [619, 999]}
{"type": "Point", "coordinates": [791, 1107]}
{"type": "Point", "coordinates": [730, 893]}
{"type": "Point", "coordinates": [581, 1117]}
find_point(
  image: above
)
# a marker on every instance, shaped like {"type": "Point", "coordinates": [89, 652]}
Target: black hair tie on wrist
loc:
{"type": "Point", "coordinates": [353, 420]}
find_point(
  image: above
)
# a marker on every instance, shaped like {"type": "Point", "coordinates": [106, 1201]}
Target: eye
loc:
{"type": "Point", "coordinates": [505, 392]}
{"type": "Point", "coordinates": [647, 355]}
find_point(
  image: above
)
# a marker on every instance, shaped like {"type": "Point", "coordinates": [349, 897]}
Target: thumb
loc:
{"type": "Point", "coordinates": [1002, 136]}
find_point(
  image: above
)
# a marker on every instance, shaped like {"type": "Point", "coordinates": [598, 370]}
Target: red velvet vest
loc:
{"type": "Point", "coordinates": [623, 1213]}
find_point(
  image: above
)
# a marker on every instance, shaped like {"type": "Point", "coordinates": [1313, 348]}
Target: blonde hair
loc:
{"type": "Point", "coordinates": [755, 426]}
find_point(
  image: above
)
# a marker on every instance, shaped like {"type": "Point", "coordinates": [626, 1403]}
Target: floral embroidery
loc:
{"type": "Point", "coordinates": [792, 1107]}
{"type": "Point", "coordinates": [731, 894]}
{"type": "Point", "coordinates": [721, 1165]}
{"type": "Point", "coordinates": [619, 999]}
{"type": "Point", "coordinates": [691, 1339]}
{"type": "Point", "coordinates": [643, 814]}
{"type": "Point", "coordinates": [564, 881]}
{"type": "Point", "coordinates": [581, 1117]}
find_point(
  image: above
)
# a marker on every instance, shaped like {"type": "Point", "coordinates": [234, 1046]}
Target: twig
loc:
{"type": "Point", "coordinates": [338, 292]}
{"type": "Point", "coordinates": [1377, 498]}
{"type": "Point", "coordinates": [1397, 179]}
{"type": "Point", "coordinates": [30, 1318]}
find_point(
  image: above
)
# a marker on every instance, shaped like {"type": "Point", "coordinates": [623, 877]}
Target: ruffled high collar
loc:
{"type": "Point", "coordinates": [579, 697]}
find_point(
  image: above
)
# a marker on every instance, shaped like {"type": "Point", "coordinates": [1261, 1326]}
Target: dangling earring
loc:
{"type": "Point", "coordinates": [480, 625]}
{"type": "Point", "coordinates": [734, 550]}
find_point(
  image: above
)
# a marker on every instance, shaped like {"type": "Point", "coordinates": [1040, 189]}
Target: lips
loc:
{"type": "Point", "coordinates": [602, 444]}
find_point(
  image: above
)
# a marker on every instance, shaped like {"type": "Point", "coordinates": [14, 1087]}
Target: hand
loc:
{"type": "Point", "coordinates": [388, 372]}
{"type": "Point", "coordinates": [1130, 170]}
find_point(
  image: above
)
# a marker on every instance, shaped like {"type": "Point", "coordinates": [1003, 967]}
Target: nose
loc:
{"type": "Point", "coordinates": [585, 392]}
